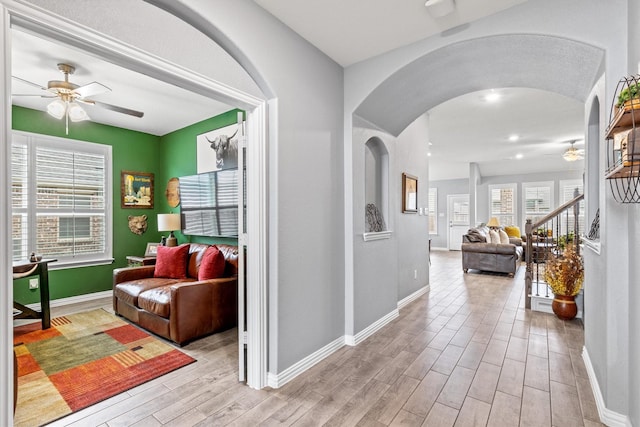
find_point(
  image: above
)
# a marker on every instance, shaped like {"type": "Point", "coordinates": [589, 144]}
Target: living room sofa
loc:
{"type": "Point", "coordinates": [479, 254]}
{"type": "Point", "coordinates": [184, 305]}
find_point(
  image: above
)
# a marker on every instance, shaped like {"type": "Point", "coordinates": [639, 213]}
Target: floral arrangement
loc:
{"type": "Point", "coordinates": [565, 274]}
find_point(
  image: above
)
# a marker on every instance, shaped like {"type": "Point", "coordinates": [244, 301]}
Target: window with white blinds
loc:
{"type": "Point", "coordinates": [61, 199]}
{"type": "Point", "coordinates": [433, 210]}
{"type": "Point", "coordinates": [537, 199]}
{"type": "Point", "coordinates": [209, 203]}
{"type": "Point", "coordinates": [502, 203]}
{"type": "Point", "coordinates": [569, 189]}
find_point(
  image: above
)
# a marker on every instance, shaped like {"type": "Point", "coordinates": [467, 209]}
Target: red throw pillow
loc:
{"type": "Point", "coordinates": [171, 262]}
{"type": "Point", "coordinates": [212, 265]}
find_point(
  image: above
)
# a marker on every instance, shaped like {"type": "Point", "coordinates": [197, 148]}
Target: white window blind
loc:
{"type": "Point", "coordinates": [433, 210]}
{"type": "Point", "coordinates": [568, 190]}
{"type": "Point", "coordinates": [538, 199]}
{"type": "Point", "coordinates": [502, 203]}
{"type": "Point", "coordinates": [61, 192]}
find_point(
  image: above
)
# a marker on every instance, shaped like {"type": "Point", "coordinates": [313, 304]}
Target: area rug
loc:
{"type": "Point", "coordinates": [83, 359]}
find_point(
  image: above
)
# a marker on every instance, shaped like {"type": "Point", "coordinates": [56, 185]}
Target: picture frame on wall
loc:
{"type": "Point", "coordinates": [217, 149]}
{"type": "Point", "coordinates": [152, 249]}
{"type": "Point", "coordinates": [136, 190]}
{"type": "Point", "coordinates": [409, 193]}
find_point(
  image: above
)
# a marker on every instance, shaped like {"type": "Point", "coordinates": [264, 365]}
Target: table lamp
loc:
{"type": "Point", "coordinates": [169, 222]}
{"type": "Point", "coordinates": [493, 223]}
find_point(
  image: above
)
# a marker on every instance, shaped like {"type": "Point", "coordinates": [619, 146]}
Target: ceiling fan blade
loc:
{"type": "Point", "coordinates": [113, 107]}
{"type": "Point", "coordinates": [31, 94]}
{"type": "Point", "coordinates": [91, 89]}
{"type": "Point", "coordinates": [29, 83]}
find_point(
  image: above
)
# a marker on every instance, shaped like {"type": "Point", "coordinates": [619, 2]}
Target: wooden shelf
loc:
{"type": "Point", "coordinates": [623, 170]}
{"type": "Point", "coordinates": [624, 119]}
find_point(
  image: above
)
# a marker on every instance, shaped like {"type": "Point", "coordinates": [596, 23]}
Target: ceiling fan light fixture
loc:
{"type": "Point", "coordinates": [57, 108]}
{"type": "Point", "coordinates": [573, 154]}
{"type": "Point", "coordinates": [77, 113]}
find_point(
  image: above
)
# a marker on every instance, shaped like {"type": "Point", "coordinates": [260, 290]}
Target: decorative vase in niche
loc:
{"type": "Point", "coordinates": [564, 306]}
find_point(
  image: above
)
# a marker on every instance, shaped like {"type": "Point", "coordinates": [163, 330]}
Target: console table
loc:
{"type": "Point", "coordinates": [41, 270]}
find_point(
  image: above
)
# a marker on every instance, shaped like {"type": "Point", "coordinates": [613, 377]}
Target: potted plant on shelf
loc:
{"type": "Point", "coordinates": [631, 92]}
{"type": "Point", "coordinates": [565, 275]}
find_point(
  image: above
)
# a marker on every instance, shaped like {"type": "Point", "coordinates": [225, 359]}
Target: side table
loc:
{"type": "Point", "coordinates": [136, 261]}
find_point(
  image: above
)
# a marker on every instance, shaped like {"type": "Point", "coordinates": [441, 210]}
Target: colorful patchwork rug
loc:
{"type": "Point", "coordinates": [83, 359]}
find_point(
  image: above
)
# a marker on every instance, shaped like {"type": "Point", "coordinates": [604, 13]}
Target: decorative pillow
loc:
{"type": "Point", "coordinates": [493, 237]}
{"type": "Point", "coordinates": [513, 231]}
{"type": "Point", "coordinates": [504, 238]}
{"type": "Point", "coordinates": [212, 265]}
{"type": "Point", "coordinates": [171, 262]}
{"type": "Point", "coordinates": [475, 236]}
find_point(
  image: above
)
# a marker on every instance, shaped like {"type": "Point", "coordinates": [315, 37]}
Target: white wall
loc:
{"type": "Point", "coordinates": [446, 187]}
{"type": "Point", "coordinates": [412, 230]}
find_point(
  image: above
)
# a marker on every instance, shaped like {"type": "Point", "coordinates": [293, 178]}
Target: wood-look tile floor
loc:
{"type": "Point", "coordinates": [467, 353]}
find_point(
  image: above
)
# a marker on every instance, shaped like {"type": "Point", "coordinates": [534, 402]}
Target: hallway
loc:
{"type": "Point", "coordinates": [467, 353]}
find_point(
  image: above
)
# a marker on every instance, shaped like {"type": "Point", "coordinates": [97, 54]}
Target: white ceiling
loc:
{"type": "Point", "coordinates": [350, 31]}
{"type": "Point", "coordinates": [166, 107]}
{"type": "Point", "coordinates": [470, 129]}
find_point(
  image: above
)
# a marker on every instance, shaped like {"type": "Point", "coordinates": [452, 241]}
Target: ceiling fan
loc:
{"type": "Point", "coordinates": [573, 154]}
{"type": "Point", "coordinates": [68, 95]}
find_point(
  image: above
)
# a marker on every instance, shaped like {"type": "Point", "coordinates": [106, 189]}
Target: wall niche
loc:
{"type": "Point", "coordinates": [376, 190]}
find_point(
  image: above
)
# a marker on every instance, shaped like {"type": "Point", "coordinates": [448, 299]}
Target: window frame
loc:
{"type": "Point", "coordinates": [500, 215]}
{"type": "Point", "coordinates": [33, 141]}
{"type": "Point", "coordinates": [538, 184]}
{"type": "Point", "coordinates": [432, 211]}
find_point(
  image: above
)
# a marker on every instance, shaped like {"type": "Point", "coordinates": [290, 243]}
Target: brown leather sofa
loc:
{"type": "Point", "coordinates": [180, 310]}
{"type": "Point", "coordinates": [477, 254]}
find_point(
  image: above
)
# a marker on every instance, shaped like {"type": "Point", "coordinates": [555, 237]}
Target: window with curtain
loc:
{"type": "Point", "coordinates": [502, 203]}
{"type": "Point", "coordinates": [538, 199]}
{"type": "Point", "coordinates": [568, 190]}
{"type": "Point", "coordinates": [433, 210]}
{"type": "Point", "coordinates": [61, 199]}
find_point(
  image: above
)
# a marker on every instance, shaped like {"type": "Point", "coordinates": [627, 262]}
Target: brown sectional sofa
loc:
{"type": "Point", "coordinates": [180, 310]}
{"type": "Point", "coordinates": [477, 254]}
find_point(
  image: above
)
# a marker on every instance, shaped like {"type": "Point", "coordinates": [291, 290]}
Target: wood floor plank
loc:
{"type": "Point", "coordinates": [359, 405]}
{"type": "Point", "coordinates": [388, 406]}
{"type": "Point", "coordinates": [484, 384]}
{"type": "Point", "coordinates": [441, 416]}
{"type": "Point", "coordinates": [517, 349]}
{"type": "Point", "coordinates": [505, 410]}
{"type": "Point", "coordinates": [423, 363]}
{"type": "Point", "coordinates": [405, 418]}
{"type": "Point", "coordinates": [448, 359]}
{"type": "Point", "coordinates": [537, 373]}
{"type": "Point", "coordinates": [495, 352]}
{"type": "Point", "coordinates": [473, 413]}
{"type": "Point", "coordinates": [565, 405]}
{"type": "Point", "coordinates": [560, 368]}
{"type": "Point", "coordinates": [472, 355]}
{"type": "Point", "coordinates": [456, 388]}
{"type": "Point", "coordinates": [512, 377]}
{"type": "Point", "coordinates": [426, 393]}
{"type": "Point", "coordinates": [536, 408]}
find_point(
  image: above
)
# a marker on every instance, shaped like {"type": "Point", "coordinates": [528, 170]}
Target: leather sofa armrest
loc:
{"type": "Point", "coordinates": [203, 306]}
{"type": "Point", "coordinates": [127, 274]}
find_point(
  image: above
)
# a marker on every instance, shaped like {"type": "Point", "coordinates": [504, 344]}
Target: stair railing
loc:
{"type": "Point", "coordinates": [548, 237]}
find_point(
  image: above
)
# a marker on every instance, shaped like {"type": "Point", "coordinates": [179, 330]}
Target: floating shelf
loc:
{"type": "Point", "coordinates": [623, 119]}
{"type": "Point", "coordinates": [623, 170]}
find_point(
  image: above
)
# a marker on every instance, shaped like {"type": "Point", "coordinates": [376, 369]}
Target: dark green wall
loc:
{"type": "Point", "coordinates": [171, 155]}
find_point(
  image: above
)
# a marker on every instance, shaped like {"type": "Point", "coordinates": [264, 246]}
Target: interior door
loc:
{"type": "Point", "coordinates": [458, 216]}
{"type": "Point", "coordinates": [242, 252]}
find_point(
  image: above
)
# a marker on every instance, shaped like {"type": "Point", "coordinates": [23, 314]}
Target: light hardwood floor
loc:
{"type": "Point", "coordinates": [465, 354]}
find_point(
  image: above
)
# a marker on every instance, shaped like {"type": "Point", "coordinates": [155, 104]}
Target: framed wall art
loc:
{"type": "Point", "coordinates": [152, 249]}
{"type": "Point", "coordinates": [136, 190]}
{"type": "Point", "coordinates": [409, 193]}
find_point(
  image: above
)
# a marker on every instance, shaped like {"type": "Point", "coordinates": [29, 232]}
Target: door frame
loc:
{"type": "Point", "coordinates": [450, 197]}
{"type": "Point", "coordinates": [38, 21]}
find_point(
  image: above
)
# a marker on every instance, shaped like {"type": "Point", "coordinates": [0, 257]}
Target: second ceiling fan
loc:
{"type": "Point", "coordinates": [68, 95]}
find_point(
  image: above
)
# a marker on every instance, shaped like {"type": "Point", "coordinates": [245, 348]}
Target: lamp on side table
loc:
{"type": "Point", "coordinates": [169, 222]}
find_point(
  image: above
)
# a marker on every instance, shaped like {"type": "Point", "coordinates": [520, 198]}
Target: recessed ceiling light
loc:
{"type": "Point", "coordinates": [428, 154]}
{"type": "Point", "coordinates": [519, 156]}
{"type": "Point", "coordinates": [514, 137]}
{"type": "Point", "coordinates": [431, 143]}
{"type": "Point", "coordinates": [492, 96]}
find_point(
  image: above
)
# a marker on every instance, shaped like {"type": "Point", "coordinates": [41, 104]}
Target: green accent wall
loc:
{"type": "Point", "coordinates": [171, 155]}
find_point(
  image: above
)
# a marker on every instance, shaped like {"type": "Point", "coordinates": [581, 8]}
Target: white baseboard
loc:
{"type": "Point", "coordinates": [73, 300]}
{"type": "Point", "coordinates": [278, 380]}
{"type": "Point", "coordinates": [607, 416]}
{"type": "Point", "coordinates": [417, 294]}
{"type": "Point", "coordinates": [371, 329]}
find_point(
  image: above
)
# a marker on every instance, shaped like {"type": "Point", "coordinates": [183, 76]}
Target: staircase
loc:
{"type": "Point", "coordinates": [549, 237]}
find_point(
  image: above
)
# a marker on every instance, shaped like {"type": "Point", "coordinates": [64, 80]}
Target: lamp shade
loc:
{"type": "Point", "coordinates": [493, 222]}
{"type": "Point", "coordinates": [169, 222]}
